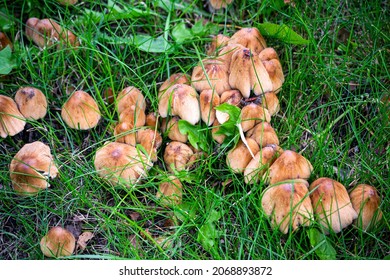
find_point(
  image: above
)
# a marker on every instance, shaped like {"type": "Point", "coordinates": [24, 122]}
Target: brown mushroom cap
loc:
{"type": "Point", "coordinates": [219, 138]}
{"type": "Point", "coordinates": [256, 168]}
{"type": "Point", "coordinates": [213, 74]}
{"type": "Point", "coordinates": [133, 115]}
{"type": "Point", "coordinates": [172, 128]}
{"type": "Point", "coordinates": [271, 61]}
{"type": "Point", "coordinates": [11, 120]}
{"type": "Point", "coordinates": [264, 134]}
{"type": "Point", "coordinates": [118, 162]}
{"type": "Point", "coordinates": [217, 42]}
{"type": "Point", "coordinates": [250, 38]}
{"type": "Point", "coordinates": [219, 4]}
{"type": "Point", "coordinates": [80, 111]}
{"type": "Point", "coordinates": [58, 242]}
{"type": "Point", "coordinates": [177, 78]}
{"type": "Point", "coordinates": [151, 140]}
{"type": "Point", "coordinates": [31, 168]}
{"type": "Point", "coordinates": [124, 132]}
{"type": "Point", "coordinates": [208, 100]}
{"type": "Point", "coordinates": [232, 97]}
{"type": "Point", "coordinates": [239, 157]}
{"type": "Point", "coordinates": [170, 192]}
{"type": "Point", "coordinates": [4, 41]}
{"type": "Point", "coordinates": [130, 97]}
{"type": "Point", "coordinates": [331, 204]}
{"type": "Point", "coordinates": [253, 114]}
{"type": "Point", "coordinates": [365, 200]}
{"type": "Point", "coordinates": [247, 72]}
{"type": "Point", "coordinates": [151, 120]}
{"type": "Point", "coordinates": [177, 156]}
{"type": "Point", "coordinates": [288, 203]}
{"type": "Point", "coordinates": [225, 54]}
{"type": "Point", "coordinates": [31, 102]}
{"type": "Point", "coordinates": [289, 165]}
{"type": "Point", "coordinates": [270, 101]}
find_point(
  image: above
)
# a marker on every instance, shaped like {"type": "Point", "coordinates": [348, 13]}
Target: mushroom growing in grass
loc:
{"type": "Point", "coordinates": [178, 156]}
{"type": "Point", "coordinates": [253, 114]}
{"type": "Point", "coordinates": [170, 192]}
{"type": "Point", "coordinates": [250, 38]}
{"type": "Point", "coordinates": [180, 100]}
{"type": "Point", "coordinates": [264, 134]}
{"type": "Point", "coordinates": [58, 242]}
{"type": "Point", "coordinates": [177, 78]}
{"type": "Point", "coordinates": [80, 111]}
{"type": "Point", "coordinates": [151, 140]}
{"type": "Point", "coordinates": [133, 115]}
{"type": "Point", "coordinates": [11, 120]}
{"type": "Point", "coordinates": [171, 127]}
{"type": "Point", "coordinates": [288, 204]}
{"type": "Point", "coordinates": [231, 97]}
{"type": "Point", "coordinates": [124, 132]}
{"type": "Point", "coordinates": [331, 204]}
{"type": "Point", "coordinates": [365, 200]}
{"type": "Point", "coordinates": [239, 157]}
{"type": "Point", "coordinates": [219, 41]}
{"type": "Point", "coordinates": [130, 97]}
{"type": "Point", "coordinates": [31, 168]}
{"type": "Point", "coordinates": [31, 102]}
{"type": "Point", "coordinates": [208, 100]}
{"type": "Point", "coordinates": [121, 163]}
{"type": "Point", "coordinates": [219, 4]}
{"type": "Point", "coordinates": [289, 165]}
{"type": "Point", "coordinates": [271, 62]}
{"type": "Point", "coordinates": [271, 102]}
{"type": "Point", "coordinates": [219, 138]}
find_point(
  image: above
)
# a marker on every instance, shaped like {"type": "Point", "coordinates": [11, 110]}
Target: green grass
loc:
{"type": "Point", "coordinates": [332, 110]}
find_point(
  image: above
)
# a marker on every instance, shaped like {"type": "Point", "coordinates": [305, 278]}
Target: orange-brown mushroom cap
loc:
{"type": "Point", "coordinates": [331, 204]}
{"type": "Point", "coordinates": [264, 134]}
{"type": "Point", "coordinates": [253, 114]}
{"type": "Point", "coordinates": [170, 192]}
{"type": "Point", "coordinates": [177, 78]}
{"type": "Point", "coordinates": [130, 97]}
{"type": "Point", "coordinates": [177, 156]}
{"type": "Point", "coordinates": [58, 242]}
{"type": "Point", "coordinates": [11, 120]}
{"type": "Point", "coordinates": [250, 38]}
{"type": "Point", "coordinates": [217, 42]}
{"type": "Point", "coordinates": [208, 100]}
{"type": "Point", "coordinates": [80, 111]}
{"type": "Point", "coordinates": [270, 101]}
{"type": "Point", "coordinates": [219, 4]}
{"type": "Point", "coordinates": [32, 103]}
{"type": "Point", "coordinates": [124, 132]}
{"type": "Point", "coordinates": [239, 157]}
{"type": "Point", "coordinates": [171, 127]}
{"type": "Point", "coordinates": [151, 140]}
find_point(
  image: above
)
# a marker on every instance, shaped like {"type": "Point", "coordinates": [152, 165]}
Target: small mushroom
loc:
{"type": "Point", "coordinates": [270, 101]}
{"type": "Point", "coordinates": [219, 41]}
{"type": "Point", "coordinates": [31, 168]}
{"type": "Point", "coordinates": [264, 134]}
{"type": "Point", "coordinates": [208, 100]}
{"type": "Point", "coordinates": [219, 4]}
{"type": "Point", "coordinates": [232, 97]}
{"type": "Point", "coordinates": [172, 128]}
{"type": "Point", "coordinates": [133, 115]}
{"type": "Point", "coordinates": [58, 242]}
{"type": "Point", "coordinates": [225, 54]}
{"type": "Point", "coordinates": [271, 61]}
{"type": "Point", "coordinates": [250, 38]}
{"type": "Point", "coordinates": [124, 132]}
{"type": "Point", "coordinates": [4, 41]}
{"type": "Point", "coordinates": [180, 100]}
{"type": "Point", "coordinates": [130, 97]}
{"type": "Point", "coordinates": [247, 72]}
{"type": "Point", "coordinates": [11, 120]}
{"type": "Point", "coordinates": [80, 111]}
{"type": "Point", "coordinates": [331, 204]}
{"type": "Point", "coordinates": [170, 192]}
{"type": "Point", "coordinates": [121, 163]}
{"type": "Point", "coordinates": [151, 120]}
{"type": "Point", "coordinates": [288, 204]}
{"type": "Point", "coordinates": [211, 74]}
{"type": "Point", "coordinates": [365, 200]}
{"type": "Point", "coordinates": [31, 102]}
{"type": "Point", "coordinates": [289, 165]}
{"type": "Point", "coordinates": [177, 78]}
{"type": "Point", "coordinates": [151, 140]}
{"type": "Point", "coordinates": [253, 114]}
{"type": "Point", "coordinates": [239, 157]}
{"type": "Point", "coordinates": [219, 138]}
{"type": "Point", "coordinates": [256, 168]}
{"type": "Point", "coordinates": [177, 156]}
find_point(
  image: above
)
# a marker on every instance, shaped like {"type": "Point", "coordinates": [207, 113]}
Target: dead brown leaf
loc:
{"type": "Point", "coordinates": [83, 240]}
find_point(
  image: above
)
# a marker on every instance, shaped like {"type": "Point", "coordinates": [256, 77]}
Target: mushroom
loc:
{"type": "Point", "coordinates": [124, 132]}
{"type": "Point", "coordinates": [247, 72]}
{"type": "Point", "coordinates": [239, 157]}
{"type": "Point", "coordinates": [232, 97]}
{"type": "Point", "coordinates": [151, 120]}
{"type": "Point", "coordinates": [58, 242]}
{"type": "Point", "coordinates": [253, 114]}
{"type": "Point", "coordinates": [256, 168]}
{"type": "Point", "coordinates": [289, 165]}
{"type": "Point", "coordinates": [219, 4]}
{"type": "Point", "coordinates": [46, 32]}
{"type": "Point", "coordinates": [80, 111]}
{"type": "Point", "coordinates": [180, 100]}
{"type": "Point", "coordinates": [133, 115]}
{"type": "Point", "coordinates": [177, 78]}
{"type": "Point", "coordinates": [271, 102]}
{"type": "Point", "coordinates": [130, 97]}
{"type": "Point", "coordinates": [177, 156]}
{"type": "Point", "coordinates": [151, 140]}
{"type": "Point", "coordinates": [67, 2]}
{"type": "Point", "coordinates": [219, 41]}
{"type": "Point", "coordinates": [250, 38]}
{"type": "Point", "coordinates": [365, 200]}
{"type": "Point", "coordinates": [31, 102]}
{"type": "Point", "coordinates": [4, 41]}
{"type": "Point", "coordinates": [219, 138]}
{"type": "Point", "coordinates": [208, 100]}
{"type": "Point", "coordinates": [31, 168]}
{"type": "Point", "coordinates": [331, 204]}
{"type": "Point", "coordinates": [264, 134]}
{"type": "Point", "coordinates": [172, 128]}
{"type": "Point", "coordinates": [170, 192]}
{"type": "Point", "coordinates": [121, 163]}
{"type": "Point", "coordinates": [211, 74]}
{"type": "Point", "coordinates": [288, 204]}
{"type": "Point", "coordinates": [225, 54]}
{"type": "Point", "coordinates": [271, 62]}
{"type": "Point", "coordinates": [11, 120]}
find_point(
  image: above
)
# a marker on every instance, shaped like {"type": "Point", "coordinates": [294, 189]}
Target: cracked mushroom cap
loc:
{"type": "Point", "coordinates": [219, 41]}
{"type": "Point", "coordinates": [177, 78]}
{"type": "Point", "coordinates": [288, 203]}
{"type": "Point", "coordinates": [331, 204]}
{"type": "Point", "coordinates": [130, 97]}
{"type": "Point", "coordinates": [289, 165]}
{"type": "Point", "coordinates": [124, 132]}
{"type": "Point", "coordinates": [271, 102]}
{"type": "Point", "coordinates": [264, 134]}
{"type": "Point", "coordinates": [271, 61]}
{"type": "Point", "coordinates": [31, 102]}
{"type": "Point", "coordinates": [58, 242]}
{"type": "Point", "coordinates": [208, 100]}
{"type": "Point", "coordinates": [172, 128]}
{"type": "Point", "coordinates": [80, 111]}
{"type": "Point", "coordinates": [178, 156]}
{"type": "Point", "coordinates": [239, 157]}
{"type": "Point", "coordinates": [219, 4]}
{"type": "Point", "coordinates": [151, 140]}
{"type": "Point", "coordinates": [11, 120]}
{"type": "Point", "coordinates": [232, 97]}
{"type": "Point", "coordinates": [133, 115]}
{"type": "Point", "coordinates": [121, 163]}
{"type": "Point", "coordinates": [180, 100]}
{"type": "Point", "coordinates": [170, 192]}
{"type": "Point", "coordinates": [31, 168]}
{"type": "Point", "coordinates": [247, 72]}
{"type": "Point", "coordinates": [365, 200]}
{"type": "Point", "coordinates": [253, 114]}
{"type": "Point", "coordinates": [250, 38]}
{"type": "Point", "coordinates": [213, 74]}
{"type": "Point", "coordinates": [256, 168]}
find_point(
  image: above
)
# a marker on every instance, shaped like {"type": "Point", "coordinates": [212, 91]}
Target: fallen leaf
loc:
{"type": "Point", "coordinates": [83, 239]}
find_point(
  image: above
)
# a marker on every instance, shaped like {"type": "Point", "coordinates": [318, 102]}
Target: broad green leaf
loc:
{"type": "Point", "coordinates": [149, 44]}
{"type": "Point", "coordinates": [322, 246]}
{"type": "Point", "coordinates": [181, 33]}
{"type": "Point", "coordinates": [7, 61]}
{"type": "Point", "coordinates": [387, 257]}
{"type": "Point", "coordinates": [229, 128]}
{"type": "Point", "coordinates": [6, 21]}
{"type": "Point", "coordinates": [196, 136]}
{"type": "Point", "coordinates": [208, 234]}
{"type": "Point", "coordinates": [281, 32]}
